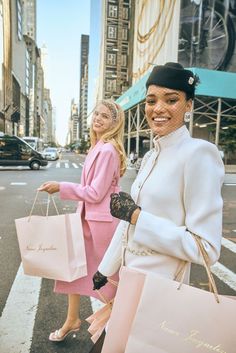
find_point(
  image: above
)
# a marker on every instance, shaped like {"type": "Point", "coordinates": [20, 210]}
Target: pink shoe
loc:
{"type": "Point", "coordinates": [56, 337]}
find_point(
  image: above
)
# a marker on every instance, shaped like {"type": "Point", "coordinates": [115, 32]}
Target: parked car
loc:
{"type": "Point", "coordinates": [51, 153]}
{"type": "Point", "coordinates": [16, 152]}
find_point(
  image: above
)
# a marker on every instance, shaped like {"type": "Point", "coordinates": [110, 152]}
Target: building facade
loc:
{"type": "Point", "coordinates": [21, 72]}
{"type": "Point", "coordinates": [116, 48]}
{"type": "Point", "coordinates": [48, 135]}
{"type": "Point", "coordinates": [200, 35]}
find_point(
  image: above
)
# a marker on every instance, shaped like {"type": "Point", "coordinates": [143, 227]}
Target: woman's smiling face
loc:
{"type": "Point", "coordinates": [101, 120]}
{"type": "Point", "coordinates": [165, 109]}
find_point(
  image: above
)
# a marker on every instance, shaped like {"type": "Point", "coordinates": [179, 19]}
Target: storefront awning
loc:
{"type": "Point", "coordinates": [213, 83]}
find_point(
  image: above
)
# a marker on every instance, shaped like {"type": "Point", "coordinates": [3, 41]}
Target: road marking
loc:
{"type": "Point", "coordinates": [66, 165]}
{"type": "Point", "coordinates": [229, 244]}
{"type": "Point", "coordinates": [49, 165]}
{"type": "Point", "coordinates": [81, 164]}
{"type": "Point", "coordinates": [2, 188]}
{"type": "Point", "coordinates": [224, 274]}
{"type": "Point", "coordinates": [21, 307]}
{"type": "Point", "coordinates": [58, 165]}
{"type": "Point", "coordinates": [230, 184]}
{"type": "Point", "coordinates": [75, 165]}
{"type": "Point", "coordinates": [18, 183]}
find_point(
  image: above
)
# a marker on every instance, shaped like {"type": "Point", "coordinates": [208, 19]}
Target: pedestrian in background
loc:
{"type": "Point", "coordinates": [131, 157]}
{"type": "Point", "coordinates": [177, 190]}
{"type": "Point", "coordinates": [103, 166]}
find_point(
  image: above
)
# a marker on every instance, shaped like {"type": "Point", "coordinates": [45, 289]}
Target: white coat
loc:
{"type": "Point", "coordinates": [179, 191]}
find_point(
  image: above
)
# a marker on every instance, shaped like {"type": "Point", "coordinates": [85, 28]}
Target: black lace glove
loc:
{"type": "Point", "coordinates": [99, 280]}
{"type": "Point", "coordinates": [122, 206]}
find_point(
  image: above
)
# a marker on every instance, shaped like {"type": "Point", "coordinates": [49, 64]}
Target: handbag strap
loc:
{"type": "Point", "coordinates": [48, 203]}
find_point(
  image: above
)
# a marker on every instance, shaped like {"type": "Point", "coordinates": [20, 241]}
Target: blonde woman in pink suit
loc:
{"type": "Point", "coordinates": [103, 166]}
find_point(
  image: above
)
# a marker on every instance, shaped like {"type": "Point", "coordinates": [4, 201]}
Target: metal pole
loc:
{"type": "Point", "coordinates": [137, 131]}
{"type": "Point", "coordinates": [218, 122]}
{"type": "Point", "coordinates": [129, 125]}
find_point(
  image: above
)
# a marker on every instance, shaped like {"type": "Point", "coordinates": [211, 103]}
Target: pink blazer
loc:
{"type": "Point", "coordinates": [100, 178]}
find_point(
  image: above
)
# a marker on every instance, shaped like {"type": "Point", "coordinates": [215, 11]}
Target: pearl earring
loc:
{"type": "Point", "coordinates": [187, 117]}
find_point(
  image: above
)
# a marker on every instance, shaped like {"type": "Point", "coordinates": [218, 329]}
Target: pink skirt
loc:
{"type": "Point", "coordinates": [84, 285]}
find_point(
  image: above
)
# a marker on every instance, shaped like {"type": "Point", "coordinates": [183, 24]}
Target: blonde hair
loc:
{"type": "Point", "coordinates": [115, 135]}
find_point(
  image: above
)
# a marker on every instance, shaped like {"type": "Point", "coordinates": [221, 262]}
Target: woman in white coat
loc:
{"type": "Point", "coordinates": [177, 191]}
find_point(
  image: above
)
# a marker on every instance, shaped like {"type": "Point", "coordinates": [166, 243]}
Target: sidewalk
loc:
{"type": "Point", "coordinates": [230, 168]}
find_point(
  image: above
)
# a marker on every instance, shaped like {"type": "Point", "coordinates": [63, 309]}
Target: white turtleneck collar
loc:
{"type": "Point", "coordinates": [171, 138]}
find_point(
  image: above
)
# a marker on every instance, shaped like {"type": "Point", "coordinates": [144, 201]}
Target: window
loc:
{"type": "Point", "coordinates": [124, 33]}
{"type": "Point", "coordinates": [112, 32]}
{"type": "Point", "coordinates": [112, 11]}
{"type": "Point", "coordinates": [111, 85]}
{"type": "Point", "coordinates": [124, 60]}
{"type": "Point", "coordinates": [125, 13]}
{"type": "Point", "coordinates": [111, 59]}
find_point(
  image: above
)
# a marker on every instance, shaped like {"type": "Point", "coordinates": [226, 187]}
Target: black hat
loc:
{"type": "Point", "coordinates": [174, 76]}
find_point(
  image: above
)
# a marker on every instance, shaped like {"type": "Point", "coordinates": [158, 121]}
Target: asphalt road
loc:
{"type": "Point", "coordinates": [29, 310]}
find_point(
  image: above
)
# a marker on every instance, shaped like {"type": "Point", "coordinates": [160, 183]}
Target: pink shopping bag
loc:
{"type": "Point", "coordinates": [123, 311]}
{"type": "Point", "coordinates": [52, 246]}
{"type": "Point", "coordinates": [185, 320]}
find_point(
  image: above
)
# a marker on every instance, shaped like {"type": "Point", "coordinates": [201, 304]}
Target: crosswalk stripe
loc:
{"type": "Point", "coordinates": [229, 245]}
{"type": "Point", "coordinates": [62, 164]}
{"type": "Point", "coordinates": [18, 317]}
{"type": "Point", "coordinates": [75, 165]}
{"type": "Point", "coordinates": [224, 274]}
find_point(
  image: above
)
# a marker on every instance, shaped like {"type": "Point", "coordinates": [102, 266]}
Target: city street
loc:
{"type": "Point", "coordinates": [29, 310]}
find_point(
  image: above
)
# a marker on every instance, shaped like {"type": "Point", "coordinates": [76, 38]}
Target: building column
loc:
{"type": "Point", "coordinates": [129, 126]}
{"type": "Point", "coordinates": [191, 120]}
{"type": "Point", "coordinates": [218, 122]}
{"type": "Point", "coordinates": [137, 130]}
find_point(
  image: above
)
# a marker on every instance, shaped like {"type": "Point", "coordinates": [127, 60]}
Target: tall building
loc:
{"type": "Point", "coordinates": [29, 34]}
{"type": "Point", "coordinates": [29, 23]}
{"type": "Point", "coordinates": [116, 48]}
{"type": "Point", "coordinates": [74, 122]}
{"type": "Point", "coordinates": [94, 54]}
{"type": "Point", "coordinates": [83, 96]}
{"type": "Point", "coordinates": [48, 134]}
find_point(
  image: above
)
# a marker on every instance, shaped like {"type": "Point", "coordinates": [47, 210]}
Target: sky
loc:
{"type": "Point", "coordinates": [60, 24]}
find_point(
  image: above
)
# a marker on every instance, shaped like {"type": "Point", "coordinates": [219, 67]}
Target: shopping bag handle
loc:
{"type": "Point", "coordinates": [103, 298]}
{"type": "Point", "coordinates": [50, 197]}
{"type": "Point", "coordinates": [205, 258]}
